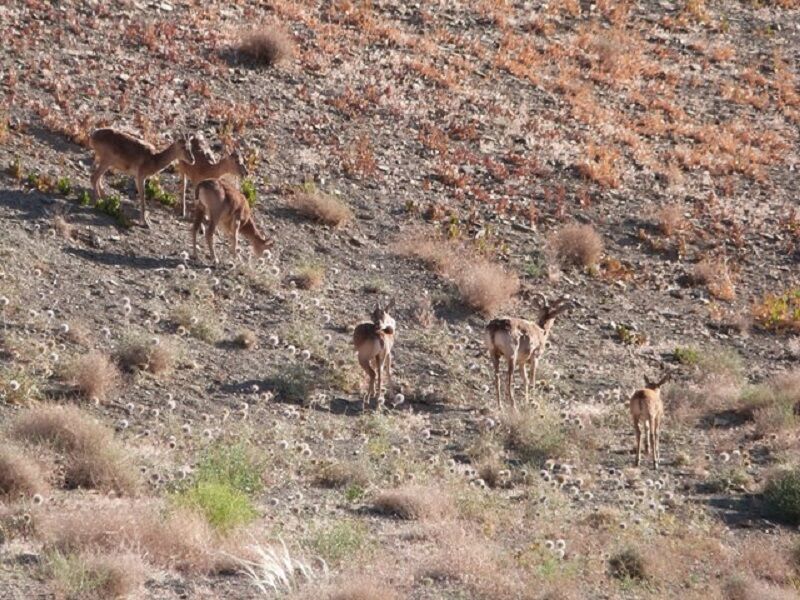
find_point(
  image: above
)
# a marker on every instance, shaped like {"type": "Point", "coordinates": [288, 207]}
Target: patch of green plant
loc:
{"type": "Point", "coordinates": [630, 336]}
{"type": "Point", "coordinates": [535, 437]}
{"type": "Point", "coordinates": [84, 198]}
{"type": "Point", "coordinates": [249, 191]}
{"type": "Point", "coordinates": [726, 480]}
{"type": "Point", "coordinates": [200, 322]}
{"type": "Point", "coordinates": [223, 506]}
{"type": "Point", "coordinates": [17, 386]}
{"type": "Point", "coordinates": [232, 464]}
{"type": "Point", "coordinates": [154, 191]}
{"type": "Point", "coordinates": [340, 541]}
{"type": "Point", "coordinates": [75, 578]}
{"type": "Point", "coordinates": [354, 493]}
{"type": "Point", "coordinates": [307, 187]}
{"type": "Point", "coordinates": [64, 185]}
{"type": "Point", "coordinates": [779, 312]}
{"type": "Point", "coordinates": [782, 496]}
{"type": "Point", "coordinates": [112, 206]}
{"type": "Point", "coordinates": [294, 384]}
{"type": "Point", "coordinates": [686, 355]}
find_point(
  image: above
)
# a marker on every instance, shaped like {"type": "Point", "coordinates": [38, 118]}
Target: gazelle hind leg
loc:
{"type": "Point", "coordinates": [366, 364]}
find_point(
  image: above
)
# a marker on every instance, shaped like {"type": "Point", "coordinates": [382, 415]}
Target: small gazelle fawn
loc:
{"type": "Point", "coordinates": [373, 341]}
{"type": "Point", "coordinates": [521, 342]}
{"type": "Point", "coordinates": [646, 405]}
{"type": "Point", "coordinates": [218, 202]}
{"type": "Point", "coordinates": [128, 154]}
{"type": "Point", "coordinates": [206, 166]}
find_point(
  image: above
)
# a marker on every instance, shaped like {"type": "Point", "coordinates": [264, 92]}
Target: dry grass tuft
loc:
{"type": "Point", "coordinates": [20, 476]}
{"type": "Point", "coordinates": [339, 475]}
{"type": "Point", "coordinates": [578, 245]}
{"type": "Point", "coordinates": [178, 539]}
{"type": "Point", "coordinates": [246, 339]}
{"type": "Point", "coordinates": [670, 219]}
{"type": "Point", "coordinates": [629, 564]}
{"type": "Point", "coordinates": [137, 353]}
{"type": "Point", "coordinates": [414, 503]}
{"type": "Point", "coordinates": [93, 459]}
{"type": "Point", "coordinates": [774, 406]}
{"type": "Point", "coordinates": [321, 208]}
{"type": "Point", "coordinates": [716, 276]}
{"type": "Point", "coordinates": [63, 228]}
{"type": "Point", "coordinates": [309, 277]}
{"type": "Point", "coordinates": [268, 45]}
{"type": "Point", "coordinates": [748, 588]}
{"type": "Point", "coordinates": [363, 589]}
{"type": "Point", "coordinates": [96, 576]}
{"type": "Point", "coordinates": [485, 286]}
{"type": "Point", "coordinates": [93, 375]}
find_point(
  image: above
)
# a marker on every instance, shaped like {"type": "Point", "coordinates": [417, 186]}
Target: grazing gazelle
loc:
{"type": "Point", "coordinates": [206, 166]}
{"type": "Point", "coordinates": [218, 202]}
{"type": "Point", "coordinates": [646, 405]}
{"type": "Point", "coordinates": [128, 154]}
{"type": "Point", "coordinates": [521, 342]}
{"type": "Point", "coordinates": [373, 341]}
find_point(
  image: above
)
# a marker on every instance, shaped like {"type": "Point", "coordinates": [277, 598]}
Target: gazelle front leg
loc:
{"type": "Point", "coordinates": [534, 366]}
{"type": "Point", "coordinates": [144, 218]}
{"type": "Point", "coordinates": [654, 442]}
{"type": "Point", "coordinates": [210, 241]}
{"type": "Point", "coordinates": [523, 372]}
{"type": "Point", "coordinates": [235, 240]}
{"type": "Point", "coordinates": [379, 362]}
{"type": "Point", "coordinates": [97, 180]}
{"type": "Point", "coordinates": [389, 372]}
{"type": "Point", "coordinates": [197, 223]}
{"type": "Point", "coordinates": [510, 382]}
{"type": "Point", "coordinates": [496, 365]}
{"type": "Point", "coordinates": [183, 199]}
{"type": "Point", "coordinates": [638, 441]}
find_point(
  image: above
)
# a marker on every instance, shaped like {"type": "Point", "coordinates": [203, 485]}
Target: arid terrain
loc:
{"type": "Point", "coordinates": [171, 428]}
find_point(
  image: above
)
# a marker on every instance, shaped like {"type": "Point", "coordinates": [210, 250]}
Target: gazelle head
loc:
{"type": "Point", "coordinates": [547, 311]}
{"type": "Point", "coordinates": [183, 147]}
{"type": "Point", "coordinates": [240, 167]}
{"type": "Point", "coordinates": [656, 385]}
{"type": "Point", "coordinates": [381, 316]}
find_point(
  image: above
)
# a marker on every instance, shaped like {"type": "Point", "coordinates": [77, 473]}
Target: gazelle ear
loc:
{"type": "Point", "coordinates": [647, 382]}
{"type": "Point", "coordinates": [664, 379]}
{"type": "Point", "coordinates": [378, 306]}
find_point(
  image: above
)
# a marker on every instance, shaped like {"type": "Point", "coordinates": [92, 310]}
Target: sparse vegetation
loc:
{"type": "Point", "coordinates": [782, 495]}
{"type": "Point", "coordinates": [578, 245]}
{"type": "Point", "coordinates": [93, 375]}
{"type": "Point", "coordinates": [320, 207]}
{"type": "Point", "coordinates": [341, 475]}
{"type": "Point", "coordinates": [414, 503]}
{"type": "Point", "coordinates": [93, 459]}
{"type": "Point", "coordinates": [246, 339]}
{"type": "Point", "coordinates": [716, 276]}
{"type": "Point", "coordinates": [309, 276]}
{"type": "Point", "coordinates": [670, 219]}
{"type": "Point", "coordinates": [154, 191]}
{"type": "Point", "coordinates": [628, 564]}
{"type": "Point", "coordinates": [535, 437]}
{"type": "Point", "coordinates": [20, 475]}
{"type": "Point", "coordinates": [485, 286]}
{"type": "Point", "coordinates": [779, 312]}
{"type": "Point", "coordinates": [199, 321]}
{"type": "Point", "coordinates": [340, 541]}
{"type": "Point", "coordinates": [249, 191]}
{"type": "Point", "coordinates": [96, 577]}
{"type": "Point", "coordinates": [267, 45]}
{"type": "Point", "coordinates": [774, 406]}
{"type": "Point", "coordinates": [153, 355]}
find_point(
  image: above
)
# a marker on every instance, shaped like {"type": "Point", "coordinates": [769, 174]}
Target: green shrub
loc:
{"type": "Point", "coordinates": [340, 541]}
{"type": "Point", "coordinates": [154, 191]}
{"type": "Point", "coordinates": [84, 198]}
{"type": "Point", "coordinates": [782, 495]}
{"type": "Point", "coordinates": [233, 465]}
{"type": "Point", "coordinates": [687, 356]}
{"type": "Point", "coordinates": [535, 437]}
{"type": "Point", "coordinates": [223, 506]}
{"type": "Point", "coordinates": [112, 206]}
{"type": "Point", "coordinates": [249, 191]}
{"type": "Point", "coordinates": [64, 185]}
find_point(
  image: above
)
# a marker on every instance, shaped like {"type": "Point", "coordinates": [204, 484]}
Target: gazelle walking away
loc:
{"type": "Point", "coordinates": [218, 202]}
{"type": "Point", "coordinates": [206, 166]}
{"type": "Point", "coordinates": [522, 342]}
{"type": "Point", "coordinates": [646, 405]}
{"type": "Point", "coordinates": [128, 154]}
{"type": "Point", "coordinates": [373, 341]}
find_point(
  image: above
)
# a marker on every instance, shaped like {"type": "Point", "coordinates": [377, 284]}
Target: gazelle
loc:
{"type": "Point", "coordinates": [521, 342]}
{"type": "Point", "coordinates": [218, 202]}
{"type": "Point", "coordinates": [128, 154]}
{"type": "Point", "coordinates": [206, 166]}
{"type": "Point", "coordinates": [646, 405]}
{"type": "Point", "coordinates": [373, 341]}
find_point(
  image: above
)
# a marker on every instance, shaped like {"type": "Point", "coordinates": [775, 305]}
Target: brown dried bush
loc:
{"type": "Point", "coordinates": [93, 458]}
{"type": "Point", "coordinates": [97, 576]}
{"type": "Point", "coordinates": [578, 245]}
{"type": "Point", "coordinates": [19, 474]}
{"type": "Point", "coordinates": [267, 45]}
{"type": "Point", "coordinates": [414, 503]}
{"type": "Point", "coordinates": [309, 277]}
{"type": "Point", "coordinates": [437, 255]}
{"type": "Point", "coordinates": [363, 589]}
{"type": "Point", "coordinates": [339, 475]}
{"type": "Point", "coordinates": [93, 375]}
{"type": "Point", "coordinates": [321, 208]}
{"type": "Point", "coordinates": [748, 588]}
{"type": "Point", "coordinates": [485, 286]}
{"type": "Point", "coordinates": [717, 278]}
{"type": "Point", "coordinates": [135, 352]}
{"type": "Point", "coordinates": [246, 339]}
{"type": "Point", "coordinates": [670, 219]}
{"type": "Point", "coordinates": [174, 538]}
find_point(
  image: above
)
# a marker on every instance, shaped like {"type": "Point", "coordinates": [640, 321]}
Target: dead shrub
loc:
{"type": "Point", "coordinates": [628, 564]}
{"type": "Point", "coordinates": [414, 503]}
{"type": "Point", "coordinates": [93, 375]}
{"type": "Point", "coordinates": [63, 228]}
{"type": "Point", "coordinates": [78, 333]}
{"type": "Point", "coordinates": [775, 405]}
{"type": "Point", "coordinates": [717, 278]}
{"type": "Point", "coordinates": [748, 588]}
{"type": "Point", "coordinates": [485, 286]}
{"type": "Point", "coordinates": [246, 339]}
{"type": "Point", "coordinates": [578, 245]}
{"type": "Point", "coordinates": [309, 277]}
{"type": "Point", "coordinates": [339, 475]}
{"type": "Point", "coordinates": [174, 538]}
{"type": "Point", "coordinates": [670, 219]}
{"type": "Point", "coordinates": [19, 475]}
{"type": "Point", "coordinates": [93, 459]}
{"type": "Point", "coordinates": [267, 45]}
{"type": "Point", "coordinates": [96, 576]}
{"type": "Point", "coordinates": [363, 589]}
{"type": "Point", "coordinates": [152, 355]}
{"type": "Point", "coordinates": [321, 208]}
{"type": "Point", "coordinates": [437, 255]}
